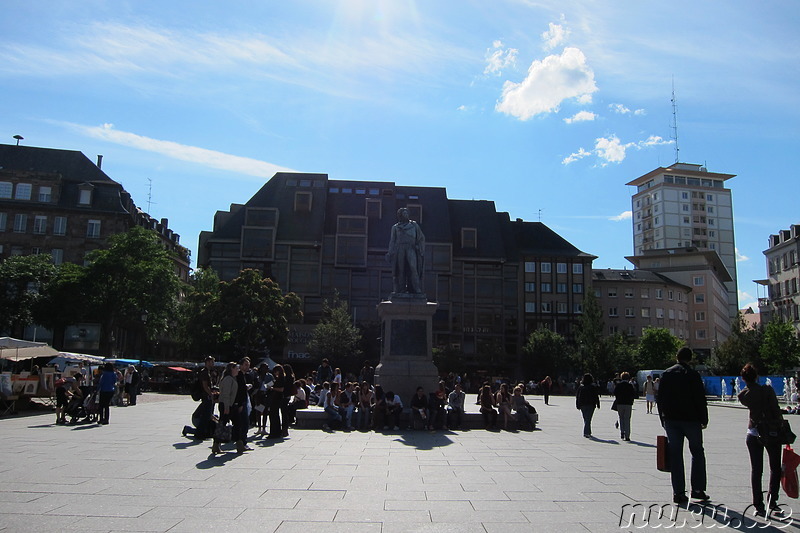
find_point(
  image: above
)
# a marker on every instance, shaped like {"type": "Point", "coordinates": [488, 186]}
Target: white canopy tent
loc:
{"type": "Point", "coordinates": [20, 350]}
{"type": "Point", "coordinates": [65, 358]}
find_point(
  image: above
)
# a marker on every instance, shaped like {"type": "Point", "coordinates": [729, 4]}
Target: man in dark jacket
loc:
{"type": "Point", "coordinates": [684, 414]}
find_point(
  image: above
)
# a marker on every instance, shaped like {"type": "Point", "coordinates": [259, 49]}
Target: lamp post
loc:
{"type": "Point", "coordinates": [144, 336]}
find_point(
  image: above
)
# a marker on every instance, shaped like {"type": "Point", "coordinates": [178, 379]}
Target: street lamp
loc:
{"type": "Point", "coordinates": [144, 336]}
{"type": "Point", "coordinates": [18, 138]}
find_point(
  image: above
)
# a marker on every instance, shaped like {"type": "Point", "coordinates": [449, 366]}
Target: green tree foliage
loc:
{"type": "Point", "coordinates": [254, 315]}
{"type": "Point", "coordinates": [592, 355]}
{"type": "Point", "coordinates": [22, 282]}
{"type": "Point", "coordinates": [657, 349]}
{"type": "Point", "coordinates": [621, 354]}
{"type": "Point", "coordinates": [780, 350]}
{"type": "Point", "coordinates": [335, 337]}
{"type": "Point", "coordinates": [200, 331]}
{"type": "Point", "coordinates": [546, 353]}
{"type": "Point", "coordinates": [134, 275]}
{"type": "Point", "coordinates": [741, 347]}
{"type": "Point", "coordinates": [64, 300]}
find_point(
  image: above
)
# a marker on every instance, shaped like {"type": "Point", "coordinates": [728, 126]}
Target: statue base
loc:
{"type": "Point", "coordinates": [406, 352]}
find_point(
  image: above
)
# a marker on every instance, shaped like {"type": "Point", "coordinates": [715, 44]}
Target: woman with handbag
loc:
{"type": "Point", "coordinates": [624, 394]}
{"type": "Point", "coordinates": [762, 405]}
{"type": "Point", "coordinates": [228, 387]}
{"type": "Point", "coordinates": [587, 399]}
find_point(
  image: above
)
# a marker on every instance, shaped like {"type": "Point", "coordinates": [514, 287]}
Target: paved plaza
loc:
{"type": "Point", "coordinates": [140, 474]}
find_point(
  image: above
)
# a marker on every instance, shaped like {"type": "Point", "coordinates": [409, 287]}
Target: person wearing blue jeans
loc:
{"type": "Point", "coordinates": [684, 415]}
{"type": "Point", "coordinates": [587, 399]}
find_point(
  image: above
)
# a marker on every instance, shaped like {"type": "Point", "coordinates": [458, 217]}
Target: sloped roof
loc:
{"type": "Point", "coordinates": [70, 164]}
{"type": "Point", "coordinates": [534, 238]}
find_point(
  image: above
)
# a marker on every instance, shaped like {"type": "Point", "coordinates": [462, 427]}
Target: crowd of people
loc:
{"type": "Point", "coordinates": [86, 396]}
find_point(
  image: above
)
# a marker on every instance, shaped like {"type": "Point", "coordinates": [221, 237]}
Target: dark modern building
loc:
{"type": "Point", "coordinates": [495, 279]}
{"type": "Point", "coordinates": [58, 202]}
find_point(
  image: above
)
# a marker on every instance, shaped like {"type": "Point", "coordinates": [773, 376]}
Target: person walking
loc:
{"type": "Point", "coordinates": [546, 385]}
{"type": "Point", "coordinates": [228, 387]}
{"type": "Point", "coordinates": [275, 402]}
{"type": "Point", "coordinates": [684, 415]}
{"type": "Point", "coordinates": [650, 393]}
{"type": "Point", "coordinates": [108, 384]}
{"type": "Point", "coordinates": [624, 394]}
{"type": "Point", "coordinates": [762, 405]}
{"type": "Point", "coordinates": [587, 399]}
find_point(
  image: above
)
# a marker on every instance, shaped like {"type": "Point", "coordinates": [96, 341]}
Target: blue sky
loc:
{"type": "Point", "coordinates": [546, 107]}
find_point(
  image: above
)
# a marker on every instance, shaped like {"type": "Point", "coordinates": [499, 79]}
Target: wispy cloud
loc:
{"type": "Point", "coordinates": [555, 35]}
{"type": "Point", "coordinates": [182, 152]}
{"type": "Point", "coordinates": [747, 300]}
{"type": "Point", "coordinates": [499, 58]}
{"type": "Point", "coordinates": [622, 110]}
{"type": "Point", "coordinates": [581, 116]}
{"type": "Point", "coordinates": [549, 82]}
{"type": "Point", "coordinates": [625, 215]}
{"type": "Point", "coordinates": [740, 257]}
{"type": "Point", "coordinates": [612, 150]}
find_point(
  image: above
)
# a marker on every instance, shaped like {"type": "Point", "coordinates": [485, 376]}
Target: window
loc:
{"type": "Point", "coordinates": [659, 294]}
{"type": "Point", "coordinates": [530, 266]}
{"type": "Point", "coordinates": [629, 312]}
{"type": "Point", "coordinates": [561, 288]}
{"type": "Point", "coordinates": [3, 221]}
{"type": "Point", "coordinates": [351, 250]}
{"type": "Point", "coordinates": [302, 202]}
{"type": "Point", "coordinates": [645, 293]}
{"type": "Point", "coordinates": [577, 268]}
{"type": "Point", "coordinates": [698, 281]}
{"type": "Point", "coordinates": [547, 268]}
{"type": "Point", "coordinates": [577, 308]}
{"type": "Point", "coordinates": [598, 293]}
{"type": "Point", "coordinates": [40, 225]}
{"type": "Point", "coordinates": [670, 295]}
{"type": "Point", "coordinates": [612, 311]}
{"type": "Point", "coordinates": [561, 268]}
{"type": "Point", "coordinates": [562, 307]}
{"type": "Point", "coordinates": [684, 195]}
{"type": "Point", "coordinates": [93, 229]}
{"type": "Point", "coordinates": [374, 208]}
{"type": "Point", "coordinates": [700, 316]}
{"type": "Point", "coordinates": [659, 312]}
{"type": "Point", "coordinates": [699, 298]}
{"type": "Point", "coordinates": [85, 196]}
{"type": "Point", "coordinates": [700, 334]}
{"type": "Point", "coordinates": [645, 312]}
{"type": "Point", "coordinates": [680, 296]}
{"type": "Point", "coordinates": [530, 307]}
{"type": "Point", "coordinates": [671, 314]}
{"type": "Point", "coordinates": [685, 208]}
{"type": "Point", "coordinates": [20, 223]}
{"type": "Point", "coordinates": [530, 287]}
{"type": "Point", "coordinates": [23, 191]}
{"type": "Point", "coordinates": [710, 209]}
{"type": "Point", "coordinates": [469, 238]}
{"type": "Point", "coordinates": [5, 189]}
{"type": "Point", "coordinates": [547, 287]}
{"type": "Point", "coordinates": [261, 217]}
{"type": "Point", "coordinates": [60, 226]}
{"type": "Point", "coordinates": [45, 194]}
{"type": "Point", "coordinates": [612, 292]}
{"type": "Point", "coordinates": [613, 330]}
{"type": "Point", "coordinates": [710, 221]}
{"type": "Point", "coordinates": [257, 243]}
{"type": "Point", "coordinates": [628, 293]}
{"type": "Point", "coordinates": [58, 256]}
{"type": "Point", "coordinates": [547, 307]}
{"type": "Point", "coordinates": [710, 197]}
{"type": "Point", "coordinates": [577, 288]}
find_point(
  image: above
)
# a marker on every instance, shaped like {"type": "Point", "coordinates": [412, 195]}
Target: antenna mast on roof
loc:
{"type": "Point", "coordinates": [675, 122]}
{"type": "Point", "coordinates": [149, 195]}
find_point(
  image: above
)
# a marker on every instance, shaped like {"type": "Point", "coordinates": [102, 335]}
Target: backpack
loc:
{"type": "Point", "coordinates": [197, 390]}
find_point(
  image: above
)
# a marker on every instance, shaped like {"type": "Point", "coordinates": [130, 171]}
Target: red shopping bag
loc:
{"type": "Point", "coordinates": [662, 454]}
{"type": "Point", "coordinates": [789, 480]}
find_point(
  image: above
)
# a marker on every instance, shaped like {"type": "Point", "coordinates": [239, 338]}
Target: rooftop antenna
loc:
{"type": "Point", "coordinates": [149, 195]}
{"type": "Point", "coordinates": [540, 215]}
{"type": "Point", "coordinates": [675, 122]}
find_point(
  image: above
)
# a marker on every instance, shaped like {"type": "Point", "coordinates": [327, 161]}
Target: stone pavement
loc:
{"type": "Point", "coordinates": [140, 474]}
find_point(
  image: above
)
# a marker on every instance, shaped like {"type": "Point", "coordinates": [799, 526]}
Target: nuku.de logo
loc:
{"type": "Point", "coordinates": [695, 516]}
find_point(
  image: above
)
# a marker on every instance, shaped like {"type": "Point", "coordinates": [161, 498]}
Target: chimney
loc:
{"type": "Point", "coordinates": [100, 162]}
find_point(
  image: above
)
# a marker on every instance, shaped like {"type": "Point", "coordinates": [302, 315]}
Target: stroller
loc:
{"type": "Point", "coordinates": [83, 408]}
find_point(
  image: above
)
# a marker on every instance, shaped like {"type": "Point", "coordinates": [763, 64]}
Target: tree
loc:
{"type": "Point", "coordinates": [22, 279]}
{"type": "Point", "coordinates": [199, 330]}
{"type": "Point", "coordinates": [657, 348]}
{"type": "Point", "coordinates": [335, 337]}
{"type": "Point", "coordinates": [742, 346]}
{"type": "Point", "coordinates": [591, 356]}
{"type": "Point", "coordinates": [546, 354]}
{"type": "Point", "coordinates": [64, 301]}
{"type": "Point", "coordinates": [254, 314]}
{"type": "Point", "coordinates": [780, 350]}
{"type": "Point", "coordinates": [621, 353]}
{"type": "Point", "coordinates": [132, 278]}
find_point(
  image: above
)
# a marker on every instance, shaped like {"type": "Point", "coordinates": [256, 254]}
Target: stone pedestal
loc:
{"type": "Point", "coordinates": [406, 354]}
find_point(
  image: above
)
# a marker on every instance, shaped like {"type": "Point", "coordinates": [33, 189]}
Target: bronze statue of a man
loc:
{"type": "Point", "coordinates": [406, 254]}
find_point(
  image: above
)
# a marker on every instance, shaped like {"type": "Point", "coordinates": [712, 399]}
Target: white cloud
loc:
{"type": "Point", "coordinates": [640, 112]}
{"type": "Point", "coordinates": [498, 59]}
{"type": "Point", "coordinates": [182, 152]}
{"type": "Point", "coordinates": [612, 150]}
{"type": "Point", "coordinates": [581, 116]}
{"type": "Point", "coordinates": [619, 108]}
{"type": "Point", "coordinates": [554, 36]}
{"type": "Point", "coordinates": [625, 215]}
{"type": "Point", "coordinates": [747, 300]}
{"type": "Point", "coordinates": [740, 258]}
{"type": "Point", "coordinates": [549, 82]}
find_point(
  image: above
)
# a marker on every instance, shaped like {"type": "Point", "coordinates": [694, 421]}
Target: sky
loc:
{"type": "Point", "coordinates": [548, 108]}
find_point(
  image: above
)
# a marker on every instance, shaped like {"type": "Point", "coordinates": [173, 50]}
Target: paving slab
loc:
{"type": "Point", "coordinates": [139, 474]}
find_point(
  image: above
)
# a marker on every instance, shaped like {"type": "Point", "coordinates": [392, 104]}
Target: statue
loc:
{"type": "Point", "coordinates": [406, 254]}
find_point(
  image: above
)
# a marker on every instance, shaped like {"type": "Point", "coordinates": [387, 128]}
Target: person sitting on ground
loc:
{"type": "Point", "coordinates": [503, 399]}
{"type": "Point", "coordinates": [419, 410]}
{"type": "Point", "coordinates": [487, 403]}
{"type": "Point", "coordinates": [455, 406]}
{"type": "Point", "coordinates": [379, 409]}
{"type": "Point", "coordinates": [323, 393]}
{"type": "Point", "coordinates": [330, 403]}
{"type": "Point", "coordinates": [394, 408]}
{"type": "Point", "coordinates": [436, 404]}
{"type": "Point", "coordinates": [347, 405]}
{"type": "Point", "coordinates": [366, 398]}
{"type": "Point", "coordinates": [521, 407]}
{"type": "Point", "coordinates": [298, 401]}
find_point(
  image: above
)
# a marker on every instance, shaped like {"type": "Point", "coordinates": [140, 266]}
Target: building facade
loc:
{"type": "Point", "coordinates": [783, 295]}
{"type": "Point", "coordinates": [633, 300]}
{"type": "Point", "coordinates": [706, 275]}
{"type": "Point", "coordinates": [495, 279]}
{"type": "Point", "coordinates": [58, 202]}
{"type": "Point", "coordinates": [685, 206]}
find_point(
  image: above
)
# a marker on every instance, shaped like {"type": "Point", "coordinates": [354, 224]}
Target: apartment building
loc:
{"type": "Point", "coordinates": [783, 295]}
{"type": "Point", "coordinates": [685, 206]}
{"type": "Point", "coordinates": [495, 279]}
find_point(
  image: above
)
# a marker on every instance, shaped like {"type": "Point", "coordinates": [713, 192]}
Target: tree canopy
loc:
{"type": "Point", "coordinates": [780, 350]}
{"type": "Point", "coordinates": [335, 336]}
{"type": "Point", "coordinates": [22, 282]}
{"type": "Point", "coordinates": [657, 349]}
